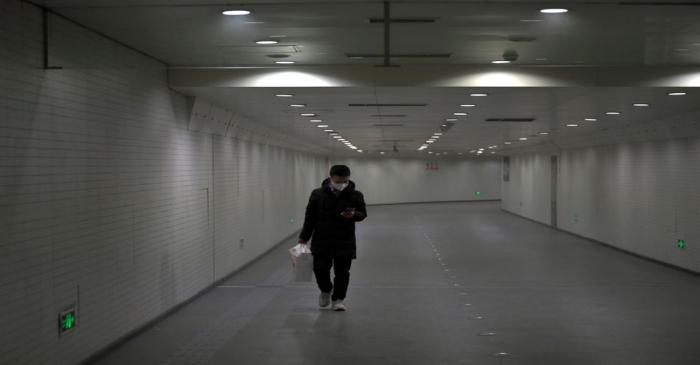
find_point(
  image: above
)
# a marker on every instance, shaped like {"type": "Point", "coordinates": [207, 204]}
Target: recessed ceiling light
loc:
{"type": "Point", "coordinates": [459, 113]}
{"type": "Point", "coordinates": [438, 134]}
{"type": "Point", "coordinates": [467, 105]}
{"type": "Point", "coordinates": [444, 125]}
{"type": "Point", "coordinates": [640, 104]}
{"type": "Point", "coordinates": [315, 120]}
{"type": "Point", "coordinates": [353, 147]}
{"type": "Point", "coordinates": [479, 94]}
{"type": "Point", "coordinates": [284, 95]}
{"type": "Point", "coordinates": [435, 137]}
{"type": "Point", "coordinates": [676, 93]}
{"type": "Point", "coordinates": [498, 62]}
{"type": "Point", "coordinates": [235, 12]}
{"type": "Point", "coordinates": [430, 141]}
{"type": "Point", "coordinates": [269, 41]}
{"type": "Point", "coordinates": [554, 11]}
{"type": "Point", "coordinates": [328, 130]}
{"type": "Point", "coordinates": [333, 133]}
{"type": "Point", "coordinates": [523, 138]}
{"type": "Point", "coordinates": [297, 105]}
{"type": "Point", "coordinates": [430, 152]}
{"type": "Point", "coordinates": [591, 120]}
{"type": "Point", "coordinates": [337, 137]}
{"type": "Point", "coordinates": [322, 125]}
{"type": "Point", "coordinates": [544, 133]}
{"type": "Point", "coordinates": [285, 62]}
{"type": "Point", "coordinates": [507, 142]}
{"type": "Point", "coordinates": [613, 113]}
{"type": "Point", "coordinates": [451, 119]}
{"type": "Point", "coordinates": [572, 125]}
{"type": "Point", "coordinates": [359, 150]}
{"type": "Point", "coordinates": [307, 114]}
{"type": "Point", "coordinates": [381, 152]}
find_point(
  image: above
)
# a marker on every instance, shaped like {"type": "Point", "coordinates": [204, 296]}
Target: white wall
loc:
{"type": "Point", "coordinates": [640, 196]}
{"type": "Point", "coordinates": [385, 180]}
{"type": "Point", "coordinates": [527, 193]}
{"type": "Point", "coordinates": [108, 201]}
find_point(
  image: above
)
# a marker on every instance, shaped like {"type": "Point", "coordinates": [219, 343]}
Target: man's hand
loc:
{"type": "Point", "coordinates": [348, 214]}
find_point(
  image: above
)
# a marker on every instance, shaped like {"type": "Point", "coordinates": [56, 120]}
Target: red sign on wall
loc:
{"type": "Point", "coordinates": [432, 166]}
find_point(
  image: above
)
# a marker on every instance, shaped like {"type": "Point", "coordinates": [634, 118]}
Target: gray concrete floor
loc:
{"type": "Point", "coordinates": [453, 283]}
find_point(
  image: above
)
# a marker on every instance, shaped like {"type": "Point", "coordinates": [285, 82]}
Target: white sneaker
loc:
{"type": "Point", "coordinates": [338, 305]}
{"type": "Point", "coordinates": [324, 299]}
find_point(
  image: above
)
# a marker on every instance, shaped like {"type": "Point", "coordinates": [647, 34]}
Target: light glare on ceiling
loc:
{"type": "Point", "coordinates": [235, 12]}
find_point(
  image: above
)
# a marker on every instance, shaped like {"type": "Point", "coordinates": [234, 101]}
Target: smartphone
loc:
{"type": "Point", "coordinates": [349, 210]}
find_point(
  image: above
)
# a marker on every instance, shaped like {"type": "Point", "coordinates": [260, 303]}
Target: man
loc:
{"type": "Point", "coordinates": [331, 214]}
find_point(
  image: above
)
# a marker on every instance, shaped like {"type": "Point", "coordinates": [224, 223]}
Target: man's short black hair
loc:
{"type": "Point", "coordinates": [340, 170]}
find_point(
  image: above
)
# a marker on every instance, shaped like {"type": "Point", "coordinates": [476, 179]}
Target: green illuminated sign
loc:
{"type": "Point", "coordinates": [477, 193]}
{"type": "Point", "coordinates": [66, 321]}
{"type": "Point", "coordinates": [681, 243]}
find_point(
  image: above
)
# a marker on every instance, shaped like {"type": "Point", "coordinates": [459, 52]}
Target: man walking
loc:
{"type": "Point", "coordinates": [331, 214]}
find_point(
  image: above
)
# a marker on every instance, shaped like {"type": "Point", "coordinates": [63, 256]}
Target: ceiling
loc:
{"type": "Point", "coordinates": [374, 129]}
{"type": "Point", "coordinates": [193, 33]}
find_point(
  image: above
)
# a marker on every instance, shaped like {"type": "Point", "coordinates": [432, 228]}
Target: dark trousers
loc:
{"type": "Point", "coordinates": [341, 269]}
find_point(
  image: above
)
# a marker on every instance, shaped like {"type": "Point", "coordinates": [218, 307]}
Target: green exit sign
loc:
{"type": "Point", "coordinates": [681, 243]}
{"type": "Point", "coordinates": [66, 321]}
{"type": "Point", "coordinates": [477, 194]}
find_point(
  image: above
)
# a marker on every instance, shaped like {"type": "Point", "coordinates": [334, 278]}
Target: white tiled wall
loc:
{"type": "Point", "coordinates": [639, 196]}
{"type": "Point", "coordinates": [527, 192]}
{"type": "Point", "coordinates": [400, 180]}
{"type": "Point", "coordinates": [108, 201]}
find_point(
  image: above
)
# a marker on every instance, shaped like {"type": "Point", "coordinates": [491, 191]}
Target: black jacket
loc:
{"type": "Point", "coordinates": [332, 233]}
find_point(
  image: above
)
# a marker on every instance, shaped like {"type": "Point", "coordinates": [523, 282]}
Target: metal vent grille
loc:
{"type": "Point", "coordinates": [390, 105]}
{"type": "Point", "coordinates": [399, 55]}
{"type": "Point", "coordinates": [510, 119]}
{"type": "Point", "coordinates": [405, 20]}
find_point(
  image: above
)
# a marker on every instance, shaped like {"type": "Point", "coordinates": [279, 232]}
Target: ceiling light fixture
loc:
{"type": "Point", "coordinates": [285, 62]}
{"type": "Point", "coordinates": [591, 120]}
{"type": "Point", "coordinates": [640, 104]}
{"type": "Point", "coordinates": [459, 113]}
{"type": "Point", "coordinates": [572, 125]}
{"type": "Point", "coordinates": [500, 62]}
{"type": "Point", "coordinates": [269, 41]}
{"type": "Point", "coordinates": [676, 93]}
{"type": "Point", "coordinates": [479, 94]}
{"type": "Point", "coordinates": [284, 95]}
{"type": "Point", "coordinates": [307, 114]}
{"type": "Point", "coordinates": [297, 105]}
{"type": "Point", "coordinates": [315, 120]}
{"type": "Point", "coordinates": [554, 11]}
{"type": "Point", "coordinates": [322, 126]}
{"type": "Point", "coordinates": [235, 12]}
{"type": "Point", "coordinates": [523, 138]}
{"type": "Point", "coordinates": [613, 113]}
{"type": "Point", "coordinates": [467, 105]}
{"type": "Point", "coordinates": [451, 119]}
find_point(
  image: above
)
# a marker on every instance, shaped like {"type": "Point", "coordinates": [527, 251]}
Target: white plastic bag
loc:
{"type": "Point", "coordinates": [302, 262]}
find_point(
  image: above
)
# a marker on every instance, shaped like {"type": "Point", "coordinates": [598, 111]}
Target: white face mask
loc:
{"type": "Point", "coordinates": [339, 186]}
